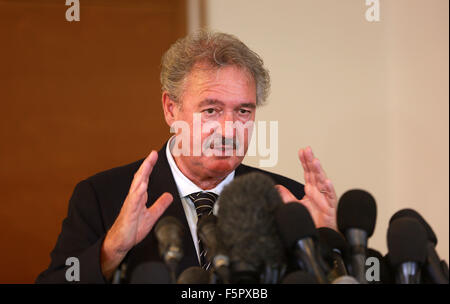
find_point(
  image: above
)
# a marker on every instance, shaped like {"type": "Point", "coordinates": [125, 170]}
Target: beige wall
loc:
{"type": "Point", "coordinates": [371, 99]}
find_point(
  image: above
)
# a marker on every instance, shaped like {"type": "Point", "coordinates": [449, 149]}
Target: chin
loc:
{"type": "Point", "coordinates": [222, 164]}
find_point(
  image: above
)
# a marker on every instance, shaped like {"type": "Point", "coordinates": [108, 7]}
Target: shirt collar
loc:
{"type": "Point", "coordinates": [185, 185]}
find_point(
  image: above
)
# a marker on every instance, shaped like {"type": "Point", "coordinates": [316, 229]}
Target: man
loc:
{"type": "Point", "coordinates": [111, 215]}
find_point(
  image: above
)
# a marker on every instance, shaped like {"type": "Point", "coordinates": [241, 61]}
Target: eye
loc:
{"type": "Point", "coordinates": [210, 112]}
{"type": "Point", "coordinates": [244, 111]}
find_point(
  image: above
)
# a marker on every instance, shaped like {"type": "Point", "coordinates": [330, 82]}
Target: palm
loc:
{"type": "Point", "coordinates": [320, 197]}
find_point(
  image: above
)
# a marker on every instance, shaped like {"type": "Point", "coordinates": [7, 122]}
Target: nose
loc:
{"type": "Point", "coordinates": [227, 121]}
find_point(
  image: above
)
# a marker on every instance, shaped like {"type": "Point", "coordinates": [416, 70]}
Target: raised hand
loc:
{"type": "Point", "coordinates": [135, 220]}
{"type": "Point", "coordinates": [320, 197]}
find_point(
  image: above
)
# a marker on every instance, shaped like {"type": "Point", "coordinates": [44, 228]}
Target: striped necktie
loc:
{"type": "Point", "coordinates": [204, 204]}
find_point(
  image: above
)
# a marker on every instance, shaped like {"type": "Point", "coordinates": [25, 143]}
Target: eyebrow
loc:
{"type": "Point", "coordinates": [212, 102]}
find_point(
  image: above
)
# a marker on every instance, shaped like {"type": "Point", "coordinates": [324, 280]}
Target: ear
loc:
{"type": "Point", "coordinates": [170, 108]}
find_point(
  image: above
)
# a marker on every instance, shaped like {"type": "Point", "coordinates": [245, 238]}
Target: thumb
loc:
{"type": "Point", "coordinates": [285, 194]}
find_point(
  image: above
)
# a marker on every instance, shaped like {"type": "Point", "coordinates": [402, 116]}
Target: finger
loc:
{"type": "Point", "coordinates": [309, 157]}
{"type": "Point", "coordinates": [324, 184]}
{"type": "Point", "coordinates": [155, 211]}
{"type": "Point", "coordinates": [285, 194]}
{"type": "Point", "coordinates": [316, 198]}
{"type": "Point", "coordinates": [331, 193]}
{"type": "Point", "coordinates": [144, 171]}
{"type": "Point", "coordinates": [135, 199]}
{"type": "Point", "coordinates": [319, 174]}
{"type": "Point", "coordinates": [306, 172]}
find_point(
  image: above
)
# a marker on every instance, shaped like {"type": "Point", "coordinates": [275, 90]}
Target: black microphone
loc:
{"type": "Point", "coordinates": [150, 273]}
{"type": "Point", "coordinates": [215, 253]}
{"type": "Point", "coordinates": [356, 218]}
{"type": "Point", "coordinates": [385, 275]}
{"type": "Point", "coordinates": [247, 229]}
{"type": "Point", "coordinates": [407, 244]}
{"type": "Point", "coordinates": [194, 275]}
{"type": "Point", "coordinates": [169, 233]}
{"type": "Point", "coordinates": [299, 277]}
{"type": "Point", "coordinates": [437, 273]}
{"type": "Point", "coordinates": [334, 250]}
{"type": "Point", "coordinates": [299, 234]}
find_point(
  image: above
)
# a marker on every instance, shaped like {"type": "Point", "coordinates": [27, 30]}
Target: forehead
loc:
{"type": "Point", "coordinates": [229, 84]}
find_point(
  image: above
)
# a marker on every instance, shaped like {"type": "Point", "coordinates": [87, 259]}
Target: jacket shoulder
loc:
{"type": "Point", "coordinates": [295, 187]}
{"type": "Point", "coordinates": [111, 187]}
{"type": "Point", "coordinates": [116, 174]}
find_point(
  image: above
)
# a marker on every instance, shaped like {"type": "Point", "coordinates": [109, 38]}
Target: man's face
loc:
{"type": "Point", "coordinates": [219, 98]}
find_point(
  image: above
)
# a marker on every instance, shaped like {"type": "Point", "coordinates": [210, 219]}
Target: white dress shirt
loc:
{"type": "Point", "coordinates": [185, 187]}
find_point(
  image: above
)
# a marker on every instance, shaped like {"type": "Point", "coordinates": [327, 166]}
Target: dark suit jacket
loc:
{"type": "Point", "coordinates": [96, 203]}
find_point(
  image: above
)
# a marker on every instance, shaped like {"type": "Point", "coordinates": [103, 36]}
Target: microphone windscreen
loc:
{"type": "Point", "coordinates": [194, 275]}
{"type": "Point", "coordinates": [294, 223]}
{"type": "Point", "coordinates": [414, 214]}
{"type": "Point", "coordinates": [357, 209]}
{"type": "Point", "coordinates": [333, 240]}
{"type": "Point", "coordinates": [169, 233]}
{"type": "Point", "coordinates": [169, 229]}
{"type": "Point", "coordinates": [205, 220]}
{"type": "Point", "coordinates": [150, 273]}
{"type": "Point", "coordinates": [246, 224]}
{"type": "Point", "coordinates": [345, 280]}
{"type": "Point", "coordinates": [299, 277]}
{"type": "Point", "coordinates": [407, 241]}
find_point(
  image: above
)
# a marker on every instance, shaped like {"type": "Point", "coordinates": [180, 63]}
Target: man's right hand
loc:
{"type": "Point", "coordinates": [135, 220]}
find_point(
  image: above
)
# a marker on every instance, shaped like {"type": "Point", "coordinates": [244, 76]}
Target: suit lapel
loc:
{"type": "Point", "coordinates": [161, 180]}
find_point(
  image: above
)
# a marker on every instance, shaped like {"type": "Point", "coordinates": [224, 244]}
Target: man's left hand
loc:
{"type": "Point", "coordinates": [320, 197]}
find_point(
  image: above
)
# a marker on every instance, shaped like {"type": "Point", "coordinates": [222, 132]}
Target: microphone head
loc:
{"type": "Point", "coordinates": [207, 232]}
{"type": "Point", "coordinates": [333, 240]}
{"type": "Point", "coordinates": [414, 214]}
{"type": "Point", "coordinates": [357, 209]}
{"type": "Point", "coordinates": [299, 277]}
{"type": "Point", "coordinates": [205, 220]}
{"type": "Point", "coordinates": [150, 273]}
{"type": "Point", "coordinates": [194, 275]}
{"type": "Point", "coordinates": [407, 241]}
{"type": "Point", "coordinates": [345, 280]}
{"type": "Point", "coordinates": [246, 225]}
{"type": "Point", "coordinates": [169, 232]}
{"type": "Point", "coordinates": [294, 223]}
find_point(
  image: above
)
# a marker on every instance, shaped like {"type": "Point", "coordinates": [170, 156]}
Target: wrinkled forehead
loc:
{"type": "Point", "coordinates": [229, 81]}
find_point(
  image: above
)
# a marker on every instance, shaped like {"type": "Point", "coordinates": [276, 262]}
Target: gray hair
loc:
{"type": "Point", "coordinates": [216, 50]}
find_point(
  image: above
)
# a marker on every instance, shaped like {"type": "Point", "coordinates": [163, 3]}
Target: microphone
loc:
{"type": "Point", "coordinates": [299, 234]}
{"type": "Point", "coordinates": [407, 244]}
{"type": "Point", "coordinates": [169, 233]}
{"type": "Point", "coordinates": [334, 249]}
{"type": "Point", "coordinates": [194, 275]}
{"type": "Point", "coordinates": [345, 280]}
{"type": "Point", "coordinates": [437, 273]}
{"type": "Point", "coordinates": [356, 218]}
{"type": "Point", "coordinates": [247, 228]}
{"type": "Point", "coordinates": [150, 273]}
{"type": "Point", "coordinates": [385, 273]}
{"type": "Point", "coordinates": [299, 277]}
{"type": "Point", "coordinates": [207, 231]}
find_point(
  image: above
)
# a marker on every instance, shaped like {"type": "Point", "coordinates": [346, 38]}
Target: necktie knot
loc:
{"type": "Point", "coordinates": [203, 202]}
